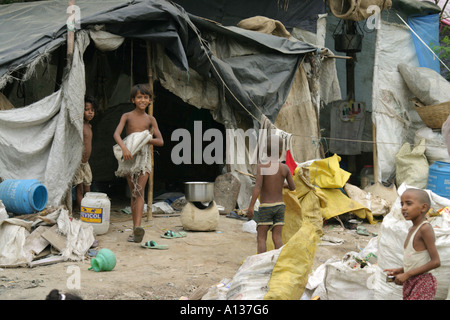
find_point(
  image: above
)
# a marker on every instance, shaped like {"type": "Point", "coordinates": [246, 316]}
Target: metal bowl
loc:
{"type": "Point", "coordinates": [199, 191]}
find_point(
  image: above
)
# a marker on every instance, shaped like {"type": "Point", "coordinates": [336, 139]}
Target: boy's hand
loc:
{"type": "Point", "coordinates": [401, 278]}
{"type": "Point", "coordinates": [250, 213]}
{"type": "Point", "coordinates": [126, 154]}
{"type": "Point", "coordinates": [393, 272]}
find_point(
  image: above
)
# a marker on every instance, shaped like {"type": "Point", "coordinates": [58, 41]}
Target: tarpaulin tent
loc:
{"type": "Point", "coordinates": [30, 32]}
{"type": "Point", "coordinates": [394, 115]}
{"type": "Point", "coordinates": [293, 14]}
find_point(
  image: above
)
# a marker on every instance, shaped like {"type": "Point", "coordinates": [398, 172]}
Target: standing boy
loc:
{"type": "Point", "coordinates": [83, 175]}
{"type": "Point", "coordinates": [135, 161]}
{"type": "Point", "coordinates": [270, 180]}
{"type": "Point", "coordinates": [420, 254]}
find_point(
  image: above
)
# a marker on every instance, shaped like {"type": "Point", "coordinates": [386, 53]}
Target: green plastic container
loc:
{"type": "Point", "coordinates": [105, 260]}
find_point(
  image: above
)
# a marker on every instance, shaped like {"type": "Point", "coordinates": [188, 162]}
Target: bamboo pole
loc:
{"type": "Point", "coordinates": [150, 112]}
{"type": "Point", "coordinates": [375, 156]}
{"type": "Point", "coordinates": [70, 32]}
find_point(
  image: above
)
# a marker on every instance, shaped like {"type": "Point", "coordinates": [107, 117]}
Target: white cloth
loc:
{"type": "Point", "coordinates": [137, 144]}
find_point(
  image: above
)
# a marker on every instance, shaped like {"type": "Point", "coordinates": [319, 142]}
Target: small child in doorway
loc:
{"type": "Point", "coordinates": [83, 175]}
{"type": "Point", "coordinates": [421, 255]}
{"type": "Point", "coordinates": [270, 179]}
{"type": "Point", "coordinates": [133, 152]}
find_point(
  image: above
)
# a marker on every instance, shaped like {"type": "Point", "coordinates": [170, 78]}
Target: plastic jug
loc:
{"type": "Point", "coordinates": [95, 211]}
{"type": "Point", "coordinates": [105, 260]}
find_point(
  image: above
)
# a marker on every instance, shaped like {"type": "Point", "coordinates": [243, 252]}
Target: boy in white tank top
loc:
{"type": "Point", "coordinates": [420, 254]}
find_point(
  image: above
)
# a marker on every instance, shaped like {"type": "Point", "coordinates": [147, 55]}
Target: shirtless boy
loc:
{"type": "Point", "coordinates": [137, 121]}
{"type": "Point", "coordinates": [269, 186]}
{"type": "Point", "coordinates": [83, 175]}
{"type": "Point", "coordinates": [420, 254]}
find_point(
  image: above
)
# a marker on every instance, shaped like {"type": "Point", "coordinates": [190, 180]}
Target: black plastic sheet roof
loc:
{"type": "Point", "coordinates": [29, 30]}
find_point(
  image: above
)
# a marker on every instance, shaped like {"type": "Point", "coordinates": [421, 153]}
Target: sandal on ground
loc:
{"type": "Point", "coordinates": [362, 231]}
{"type": "Point", "coordinates": [172, 235]}
{"type": "Point", "coordinates": [153, 245]}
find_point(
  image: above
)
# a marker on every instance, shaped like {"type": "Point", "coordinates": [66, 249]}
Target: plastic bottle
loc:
{"type": "Point", "coordinates": [367, 177]}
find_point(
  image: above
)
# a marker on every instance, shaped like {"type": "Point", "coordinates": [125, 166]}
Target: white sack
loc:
{"type": "Point", "coordinates": [376, 205]}
{"type": "Point", "coordinates": [411, 165]}
{"type": "Point", "coordinates": [105, 41]}
{"type": "Point", "coordinates": [344, 279]}
{"type": "Point", "coordinates": [345, 283]}
{"type": "Point", "coordinates": [446, 133]}
{"type": "Point", "coordinates": [436, 147]}
{"type": "Point", "coordinates": [426, 84]}
{"type": "Point", "coordinates": [251, 280]}
{"type": "Point", "coordinates": [13, 233]}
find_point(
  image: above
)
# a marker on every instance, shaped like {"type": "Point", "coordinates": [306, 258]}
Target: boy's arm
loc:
{"type": "Point", "coordinates": [126, 154]}
{"type": "Point", "coordinates": [290, 180]}
{"type": "Point", "coordinates": [255, 194]}
{"type": "Point", "coordinates": [157, 139]}
{"type": "Point", "coordinates": [87, 143]}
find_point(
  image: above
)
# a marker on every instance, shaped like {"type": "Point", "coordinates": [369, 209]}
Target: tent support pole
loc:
{"type": "Point", "coordinates": [150, 112]}
{"type": "Point", "coordinates": [375, 157]}
{"type": "Point", "coordinates": [70, 36]}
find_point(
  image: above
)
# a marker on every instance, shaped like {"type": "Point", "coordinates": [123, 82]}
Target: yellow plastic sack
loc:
{"type": "Point", "coordinates": [304, 202]}
{"type": "Point", "coordinates": [328, 176]}
{"type": "Point", "coordinates": [342, 204]}
{"type": "Point", "coordinates": [305, 209]}
{"type": "Point", "coordinates": [327, 173]}
{"type": "Point", "coordinates": [301, 234]}
{"type": "Point", "coordinates": [294, 265]}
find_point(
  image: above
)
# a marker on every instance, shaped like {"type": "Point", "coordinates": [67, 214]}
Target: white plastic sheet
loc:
{"type": "Point", "coordinates": [44, 140]}
{"type": "Point", "coordinates": [393, 114]}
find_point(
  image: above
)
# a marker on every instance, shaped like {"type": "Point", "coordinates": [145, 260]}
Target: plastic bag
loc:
{"type": "Point", "coordinates": [249, 226]}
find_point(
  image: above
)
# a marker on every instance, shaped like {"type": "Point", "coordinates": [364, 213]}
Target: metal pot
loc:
{"type": "Point", "coordinates": [199, 191]}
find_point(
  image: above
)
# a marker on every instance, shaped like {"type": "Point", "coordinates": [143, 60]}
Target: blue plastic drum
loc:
{"type": "Point", "coordinates": [23, 196]}
{"type": "Point", "coordinates": [439, 178]}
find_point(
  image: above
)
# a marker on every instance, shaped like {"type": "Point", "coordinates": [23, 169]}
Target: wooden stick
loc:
{"type": "Point", "coordinates": [150, 112]}
{"type": "Point", "coordinates": [70, 37]}
{"type": "Point", "coordinates": [375, 156]}
{"type": "Point", "coordinates": [245, 173]}
{"type": "Point", "coordinates": [339, 57]}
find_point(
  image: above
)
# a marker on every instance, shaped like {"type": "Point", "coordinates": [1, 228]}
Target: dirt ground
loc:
{"type": "Point", "coordinates": [189, 267]}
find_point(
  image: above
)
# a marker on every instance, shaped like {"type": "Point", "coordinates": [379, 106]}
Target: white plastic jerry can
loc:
{"type": "Point", "coordinates": [95, 211]}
